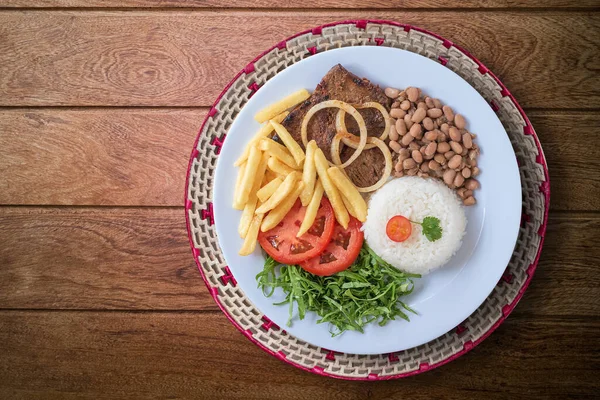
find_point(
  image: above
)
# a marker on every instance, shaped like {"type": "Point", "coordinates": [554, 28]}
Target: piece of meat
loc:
{"type": "Point", "coordinates": [339, 84]}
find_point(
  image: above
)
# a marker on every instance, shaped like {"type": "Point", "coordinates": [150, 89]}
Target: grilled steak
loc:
{"type": "Point", "coordinates": [339, 84]}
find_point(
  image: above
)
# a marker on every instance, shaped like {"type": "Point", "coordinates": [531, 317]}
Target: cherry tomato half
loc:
{"type": "Point", "coordinates": [282, 244]}
{"type": "Point", "coordinates": [343, 248]}
{"type": "Point", "coordinates": [398, 228]}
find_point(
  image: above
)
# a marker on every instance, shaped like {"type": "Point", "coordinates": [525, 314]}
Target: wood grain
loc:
{"type": "Point", "coordinates": [139, 157]}
{"type": "Point", "coordinates": [310, 4]}
{"type": "Point", "coordinates": [185, 59]}
{"type": "Point", "coordinates": [99, 157]}
{"type": "Point", "coordinates": [191, 355]}
{"type": "Point", "coordinates": [100, 258]}
{"type": "Point", "coordinates": [139, 259]}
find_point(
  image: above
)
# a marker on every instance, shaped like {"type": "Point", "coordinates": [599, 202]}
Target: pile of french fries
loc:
{"type": "Point", "coordinates": [273, 176]}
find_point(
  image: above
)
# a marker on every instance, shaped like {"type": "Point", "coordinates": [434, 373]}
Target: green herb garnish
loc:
{"type": "Point", "coordinates": [367, 291]}
{"type": "Point", "coordinates": [431, 228]}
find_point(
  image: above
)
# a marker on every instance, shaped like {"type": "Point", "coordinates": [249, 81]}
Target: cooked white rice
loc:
{"type": "Point", "coordinates": [415, 198]}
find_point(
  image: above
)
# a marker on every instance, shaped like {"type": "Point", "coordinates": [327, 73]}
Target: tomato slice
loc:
{"type": "Point", "coordinates": [282, 244]}
{"type": "Point", "coordinates": [398, 228]}
{"type": "Point", "coordinates": [343, 248]}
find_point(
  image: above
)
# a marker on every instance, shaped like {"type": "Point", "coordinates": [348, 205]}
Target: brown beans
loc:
{"type": "Point", "coordinates": [395, 146]}
{"type": "Point", "coordinates": [406, 139]}
{"type": "Point", "coordinates": [428, 123]}
{"type": "Point", "coordinates": [431, 136]}
{"type": "Point", "coordinates": [416, 131]}
{"type": "Point", "coordinates": [393, 135]}
{"type": "Point", "coordinates": [448, 113]}
{"type": "Point", "coordinates": [408, 121]}
{"type": "Point", "coordinates": [412, 171]}
{"type": "Point", "coordinates": [391, 93]}
{"type": "Point", "coordinates": [472, 184]}
{"type": "Point", "coordinates": [458, 180]}
{"type": "Point", "coordinates": [434, 113]}
{"type": "Point", "coordinates": [459, 121]}
{"type": "Point", "coordinates": [399, 174]}
{"type": "Point", "coordinates": [456, 147]}
{"type": "Point", "coordinates": [397, 113]}
{"type": "Point", "coordinates": [431, 140]}
{"type": "Point", "coordinates": [419, 115]}
{"type": "Point", "coordinates": [454, 134]}
{"type": "Point", "coordinates": [434, 165]}
{"type": "Point", "coordinates": [443, 147]}
{"type": "Point", "coordinates": [431, 149]}
{"type": "Point", "coordinates": [467, 140]}
{"type": "Point", "coordinates": [417, 156]}
{"type": "Point", "coordinates": [409, 163]}
{"type": "Point", "coordinates": [469, 201]}
{"type": "Point", "coordinates": [449, 176]}
{"type": "Point", "coordinates": [454, 162]}
{"type": "Point", "coordinates": [401, 127]}
{"type": "Point", "coordinates": [412, 93]}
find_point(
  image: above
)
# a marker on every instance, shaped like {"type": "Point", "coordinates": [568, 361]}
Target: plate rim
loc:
{"type": "Point", "coordinates": [544, 189]}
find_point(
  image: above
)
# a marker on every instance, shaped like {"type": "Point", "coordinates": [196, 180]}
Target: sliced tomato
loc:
{"type": "Point", "coordinates": [398, 228]}
{"type": "Point", "coordinates": [282, 244]}
{"type": "Point", "coordinates": [343, 248]}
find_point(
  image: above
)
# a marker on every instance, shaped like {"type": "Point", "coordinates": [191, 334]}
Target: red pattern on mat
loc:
{"type": "Point", "coordinates": [506, 310]}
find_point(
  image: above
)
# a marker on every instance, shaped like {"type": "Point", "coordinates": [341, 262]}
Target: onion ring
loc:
{"type": "Point", "coordinates": [340, 124]}
{"type": "Point", "coordinates": [350, 110]}
{"type": "Point", "coordinates": [347, 138]}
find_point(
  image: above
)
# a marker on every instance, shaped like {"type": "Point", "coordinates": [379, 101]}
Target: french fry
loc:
{"type": "Point", "coordinates": [309, 173]}
{"type": "Point", "coordinates": [348, 206]}
{"type": "Point", "coordinates": [270, 175]}
{"type": "Point", "coordinates": [264, 131]}
{"type": "Point", "coordinates": [289, 142]}
{"type": "Point", "coordinates": [349, 191]}
{"type": "Point", "coordinates": [341, 214]}
{"type": "Point", "coordinates": [290, 101]}
{"type": "Point", "coordinates": [311, 210]}
{"type": "Point", "coordinates": [267, 191]}
{"type": "Point", "coordinates": [279, 168]}
{"type": "Point", "coordinates": [238, 187]}
{"type": "Point", "coordinates": [252, 235]}
{"type": "Point", "coordinates": [249, 174]}
{"type": "Point", "coordinates": [279, 212]}
{"type": "Point", "coordinates": [282, 192]}
{"type": "Point", "coordinates": [279, 151]}
{"type": "Point", "coordinates": [250, 206]}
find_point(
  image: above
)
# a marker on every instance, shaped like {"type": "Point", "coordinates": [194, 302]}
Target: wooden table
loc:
{"type": "Point", "coordinates": [100, 102]}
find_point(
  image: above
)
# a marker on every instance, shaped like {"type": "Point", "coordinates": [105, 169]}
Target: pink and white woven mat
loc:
{"type": "Point", "coordinates": [256, 326]}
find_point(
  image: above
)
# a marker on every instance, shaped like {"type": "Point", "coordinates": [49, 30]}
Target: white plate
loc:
{"type": "Point", "coordinates": [444, 298]}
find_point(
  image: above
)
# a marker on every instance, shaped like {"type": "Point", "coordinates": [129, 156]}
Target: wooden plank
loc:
{"type": "Point", "coordinates": [186, 58]}
{"type": "Point", "coordinates": [139, 157]}
{"type": "Point", "coordinates": [189, 355]}
{"type": "Point", "coordinates": [310, 4]}
{"type": "Point", "coordinates": [574, 165]}
{"type": "Point", "coordinates": [98, 157]}
{"type": "Point", "coordinates": [140, 259]}
{"type": "Point", "coordinates": [98, 258]}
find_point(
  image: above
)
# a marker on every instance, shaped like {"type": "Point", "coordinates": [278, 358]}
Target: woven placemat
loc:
{"type": "Point", "coordinates": [256, 326]}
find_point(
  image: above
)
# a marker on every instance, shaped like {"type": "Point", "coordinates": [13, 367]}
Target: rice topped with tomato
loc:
{"type": "Point", "coordinates": [415, 199]}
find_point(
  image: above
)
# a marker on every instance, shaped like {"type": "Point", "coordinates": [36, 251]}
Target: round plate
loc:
{"type": "Point", "coordinates": [258, 327]}
{"type": "Point", "coordinates": [442, 299]}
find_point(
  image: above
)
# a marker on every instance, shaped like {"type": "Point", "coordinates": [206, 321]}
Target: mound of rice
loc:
{"type": "Point", "coordinates": [415, 198]}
